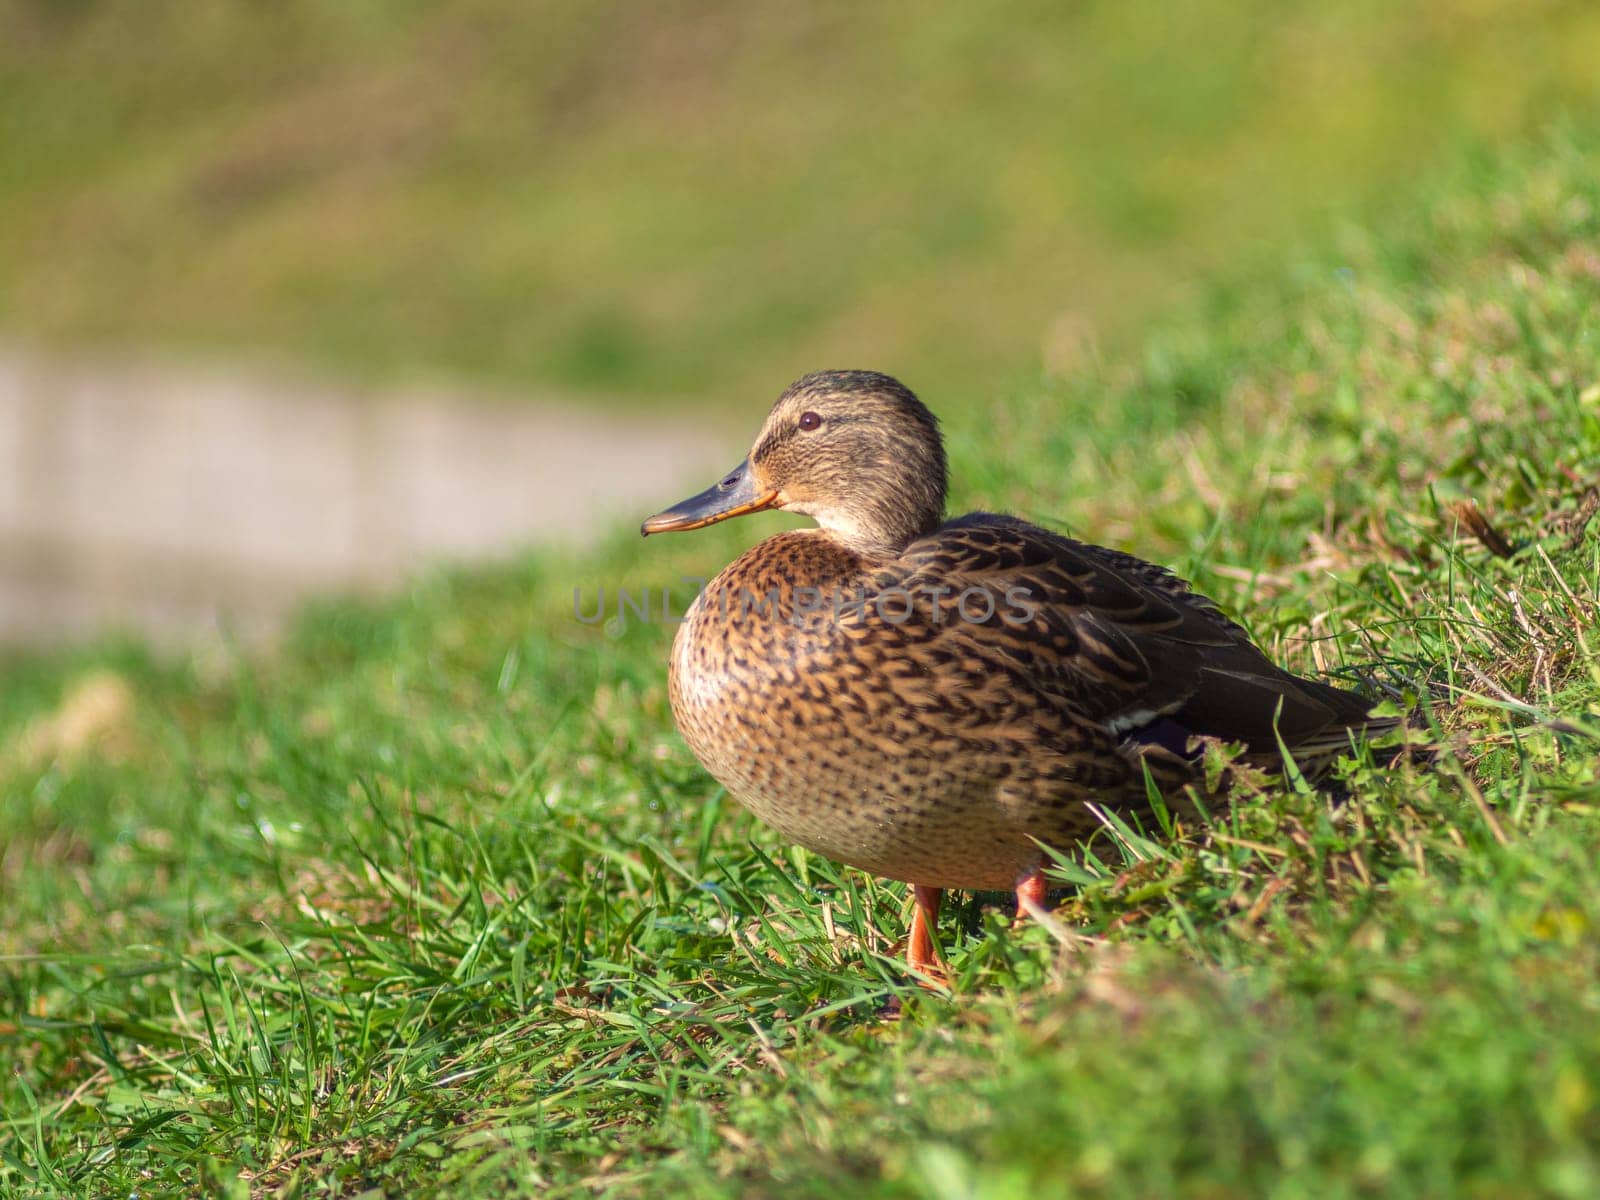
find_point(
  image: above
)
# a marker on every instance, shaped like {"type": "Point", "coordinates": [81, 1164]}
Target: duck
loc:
{"type": "Point", "coordinates": [942, 700]}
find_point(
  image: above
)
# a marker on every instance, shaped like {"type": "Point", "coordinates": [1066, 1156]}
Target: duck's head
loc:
{"type": "Point", "coordinates": [853, 449]}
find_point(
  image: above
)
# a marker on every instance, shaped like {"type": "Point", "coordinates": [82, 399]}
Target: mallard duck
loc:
{"type": "Point", "coordinates": [933, 700]}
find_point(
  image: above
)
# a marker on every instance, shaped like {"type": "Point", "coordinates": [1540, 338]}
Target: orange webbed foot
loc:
{"type": "Point", "coordinates": [922, 951]}
{"type": "Point", "coordinates": [1031, 890]}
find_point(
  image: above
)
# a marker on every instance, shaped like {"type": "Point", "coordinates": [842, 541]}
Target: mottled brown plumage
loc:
{"type": "Point", "coordinates": [930, 700]}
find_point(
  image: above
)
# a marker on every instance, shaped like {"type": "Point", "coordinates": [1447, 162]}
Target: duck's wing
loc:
{"type": "Point", "coordinates": [1118, 640]}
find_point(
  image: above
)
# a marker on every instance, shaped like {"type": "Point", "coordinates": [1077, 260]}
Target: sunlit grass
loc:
{"type": "Point", "coordinates": [432, 898]}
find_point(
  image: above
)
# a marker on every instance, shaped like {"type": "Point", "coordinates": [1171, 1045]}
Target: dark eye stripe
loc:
{"type": "Point", "coordinates": [784, 433]}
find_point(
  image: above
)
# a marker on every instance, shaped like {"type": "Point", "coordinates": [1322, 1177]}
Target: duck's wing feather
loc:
{"type": "Point", "coordinates": [1120, 641]}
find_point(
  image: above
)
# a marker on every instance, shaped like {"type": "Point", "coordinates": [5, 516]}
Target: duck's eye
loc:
{"type": "Point", "coordinates": [810, 421]}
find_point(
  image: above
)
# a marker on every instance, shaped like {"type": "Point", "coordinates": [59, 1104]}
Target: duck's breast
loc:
{"type": "Point", "coordinates": [824, 726]}
{"type": "Point", "coordinates": [745, 659]}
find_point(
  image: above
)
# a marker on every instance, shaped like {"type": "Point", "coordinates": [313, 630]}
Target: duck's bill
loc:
{"type": "Point", "coordinates": [733, 496]}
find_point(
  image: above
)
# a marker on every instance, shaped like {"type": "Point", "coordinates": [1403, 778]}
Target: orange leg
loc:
{"type": "Point", "coordinates": [922, 952]}
{"type": "Point", "coordinates": [1030, 890]}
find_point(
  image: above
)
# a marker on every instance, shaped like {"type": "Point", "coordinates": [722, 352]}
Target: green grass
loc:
{"type": "Point", "coordinates": [692, 200]}
{"type": "Point", "coordinates": [431, 900]}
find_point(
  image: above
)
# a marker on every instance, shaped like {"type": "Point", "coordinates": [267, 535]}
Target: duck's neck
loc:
{"type": "Point", "coordinates": [873, 537]}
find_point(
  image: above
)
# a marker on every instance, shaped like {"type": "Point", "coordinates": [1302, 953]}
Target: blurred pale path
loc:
{"type": "Point", "coordinates": [168, 499]}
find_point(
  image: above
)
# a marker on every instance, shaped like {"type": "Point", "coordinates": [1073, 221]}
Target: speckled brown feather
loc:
{"type": "Point", "coordinates": [930, 700]}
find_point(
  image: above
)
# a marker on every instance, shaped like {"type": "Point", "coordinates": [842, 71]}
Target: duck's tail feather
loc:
{"type": "Point", "coordinates": [1313, 722]}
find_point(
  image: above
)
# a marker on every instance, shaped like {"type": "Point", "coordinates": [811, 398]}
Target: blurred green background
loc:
{"type": "Point", "coordinates": [694, 202]}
